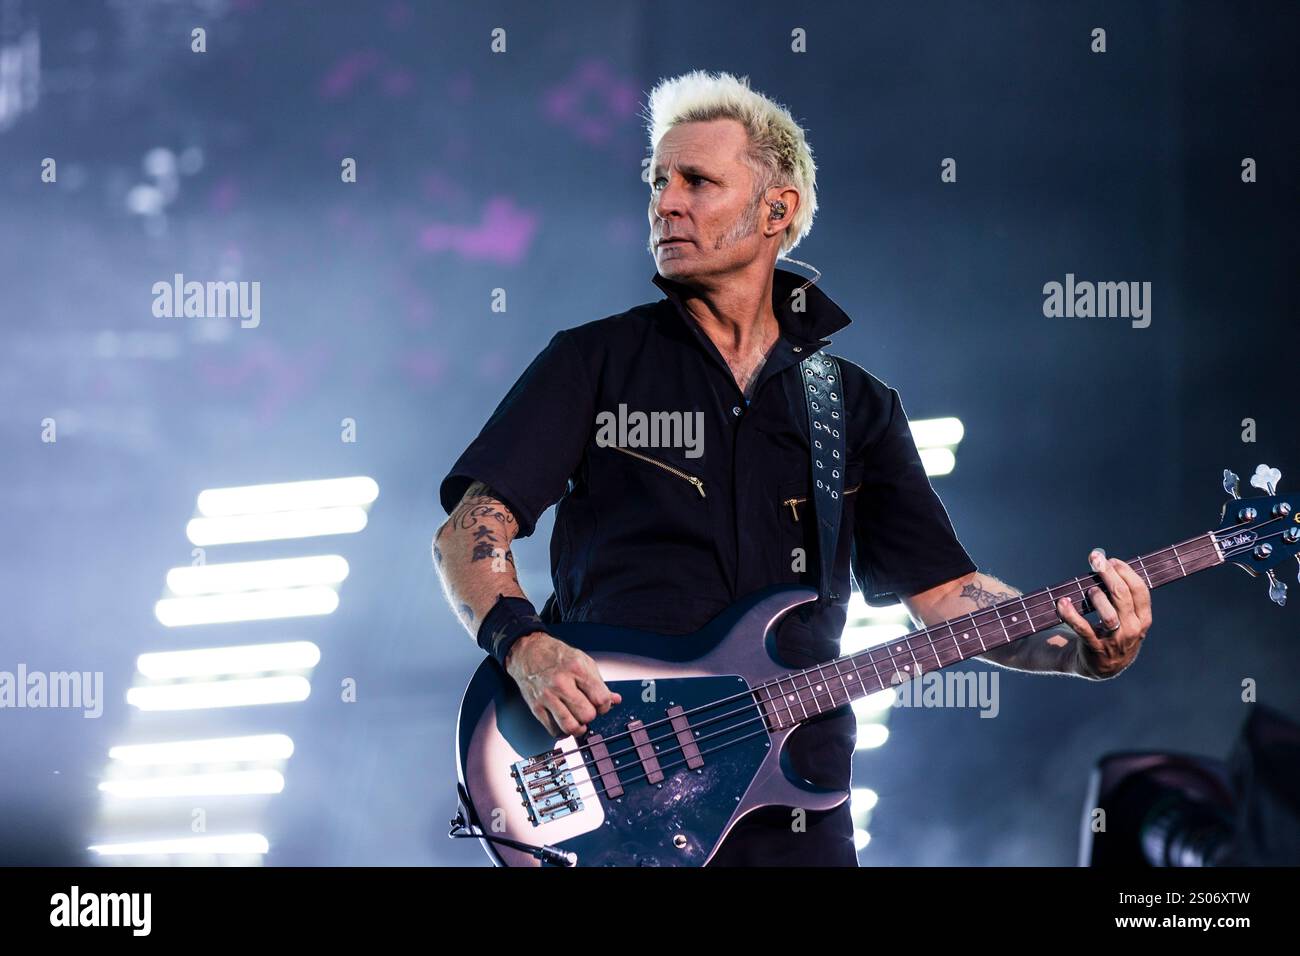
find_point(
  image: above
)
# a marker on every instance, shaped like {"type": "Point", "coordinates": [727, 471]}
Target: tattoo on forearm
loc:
{"type": "Point", "coordinates": [485, 543]}
{"type": "Point", "coordinates": [975, 591]}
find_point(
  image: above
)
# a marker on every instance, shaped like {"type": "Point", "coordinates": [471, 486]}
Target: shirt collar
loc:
{"type": "Point", "coordinates": [820, 318]}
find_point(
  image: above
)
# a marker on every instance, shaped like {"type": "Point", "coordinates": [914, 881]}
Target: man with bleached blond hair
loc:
{"type": "Point", "coordinates": [653, 539]}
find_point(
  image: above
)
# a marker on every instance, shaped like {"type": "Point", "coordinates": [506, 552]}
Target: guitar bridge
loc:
{"type": "Point", "coordinates": [547, 787]}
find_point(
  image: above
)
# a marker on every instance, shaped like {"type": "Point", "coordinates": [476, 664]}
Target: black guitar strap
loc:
{"type": "Point", "coordinates": [826, 443]}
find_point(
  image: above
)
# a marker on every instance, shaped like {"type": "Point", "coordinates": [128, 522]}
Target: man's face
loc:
{"type": "Point", "coordinates": [702, 191]}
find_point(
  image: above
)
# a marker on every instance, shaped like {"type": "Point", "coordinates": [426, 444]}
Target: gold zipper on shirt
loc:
{"type": "Point", "coordinates": [698, 483]}
{"type": "Point", "coordinates": [794, 503]}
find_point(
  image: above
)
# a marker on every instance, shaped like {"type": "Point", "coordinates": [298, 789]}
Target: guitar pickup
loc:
{"type": "Point", "coordinates": [604, 766]}
{"type": "Point", "coordinates": [685, 737]}
{"type": "Point", "coordinates": [645, 751]}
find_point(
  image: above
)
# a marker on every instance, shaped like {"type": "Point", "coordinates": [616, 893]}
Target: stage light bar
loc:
{"type": "Point", "coordinates": [331, 569]}
{"type": "Point", "coordinates": [242, 843]}
{"type": "Point", "coordinates": [211, 750]}
{"type": "Point", "coordinates": [869, 707]}
{"type": "Point", "coordinates": [233, 783]}
{"type": "Point", "coordinates": [246, 606]}
{"type": "Point", "coordinates": [206, 695]}
{"type": "Point", "coordinates": [242, 659]}
{"type": "Point", "coordinates": [863, 799]}
{"type": "Point", "coordinates": [859, 637]}
{"type": "Point", "coordinates": [275, 526]}
{"type": "Point", "coordinates": [938, 461]}
{"type": "Point", "coordinates": [328, 493]}
{"type": "Point", "coordinates": [859, 609]}
{"type": "Point", "coordinates": [937, 432]}
{"type": "Point", "coordinates": [871, 736]}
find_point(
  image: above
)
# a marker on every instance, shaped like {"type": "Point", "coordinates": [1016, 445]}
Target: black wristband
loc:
{"type": "Point", "coordinates": [510, 619]}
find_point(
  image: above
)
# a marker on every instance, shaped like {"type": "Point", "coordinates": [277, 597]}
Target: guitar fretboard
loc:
{"type": "Point", "coordinates": [816, 690]}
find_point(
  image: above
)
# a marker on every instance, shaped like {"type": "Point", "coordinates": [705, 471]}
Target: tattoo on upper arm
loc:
{"type": "Point", "coordinates": [975, 591]}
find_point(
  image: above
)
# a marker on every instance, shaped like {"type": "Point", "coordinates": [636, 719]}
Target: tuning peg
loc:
{"type": "Point", "coordinates": [1266, 479]}
{"type": "Point", "coordinates": [1231, 482]}
{"type": "Point", "coordinates": [1276, 589]}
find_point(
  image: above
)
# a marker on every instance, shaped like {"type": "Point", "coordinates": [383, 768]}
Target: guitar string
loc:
{"type": "Point", "coordinates": [1158, 566]}
{"type": "Point", "coordinates": [645, 774]}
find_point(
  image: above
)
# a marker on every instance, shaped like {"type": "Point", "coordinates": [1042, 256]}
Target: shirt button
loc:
{"type": "Point", "coordinates": [797, 349]}
{"type": "Point", "coordinates": [735, 409]}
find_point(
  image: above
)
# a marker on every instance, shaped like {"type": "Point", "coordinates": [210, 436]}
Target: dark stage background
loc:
{"type": "Point", "coordinates": [521, 171]}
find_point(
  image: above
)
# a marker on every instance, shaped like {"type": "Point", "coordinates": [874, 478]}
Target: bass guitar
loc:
{"type": "Point", "coordinates": [698, 740]}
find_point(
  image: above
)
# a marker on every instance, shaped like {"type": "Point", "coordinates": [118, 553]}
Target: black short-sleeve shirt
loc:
{"type": "Point", "coordinates": [666, 539]}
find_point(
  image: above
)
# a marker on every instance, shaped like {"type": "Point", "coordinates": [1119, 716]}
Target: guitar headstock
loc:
{"type": "Point", "coordinates": [1259, 533]}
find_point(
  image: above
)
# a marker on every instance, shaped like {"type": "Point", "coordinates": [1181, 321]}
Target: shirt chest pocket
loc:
{"type": "Point", "coordinates": [666, 471]}
{"type": "Point", "coordinates": [794, 496]}
{"type": "Point", "coordinates": [797, 529]}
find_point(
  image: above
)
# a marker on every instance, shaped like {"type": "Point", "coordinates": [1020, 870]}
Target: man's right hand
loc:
{"type": "Point", "coordinates": [560, 683]}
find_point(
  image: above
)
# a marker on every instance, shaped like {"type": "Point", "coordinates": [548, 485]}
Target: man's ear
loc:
{"type": "Point", "coordinates": [788, 195]}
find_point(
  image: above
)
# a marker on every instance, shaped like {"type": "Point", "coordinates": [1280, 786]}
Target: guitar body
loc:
{"type": "Point", "coordinates": [709, 765]}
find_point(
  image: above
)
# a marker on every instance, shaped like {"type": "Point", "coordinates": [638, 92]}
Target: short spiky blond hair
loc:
{"type": "Point", "coordinates": [778, 152]}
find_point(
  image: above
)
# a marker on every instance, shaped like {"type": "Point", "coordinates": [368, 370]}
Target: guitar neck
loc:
{"type": "Point", "coordinates": [815, 690]}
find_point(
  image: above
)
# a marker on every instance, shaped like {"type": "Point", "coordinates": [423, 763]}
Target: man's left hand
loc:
{"type": "Point", "coordinates": [1125, 609]}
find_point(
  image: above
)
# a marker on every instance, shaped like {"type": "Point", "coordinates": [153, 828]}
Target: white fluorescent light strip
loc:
{"type": "Point", "coordinates": [287, 496]}
{"type": "Point", "coordinates": [211, 750]}
{"type": "Point", "coordinates": [246, 606]}
{"type": "Point", "coordinates": [859, 609]}
{"type": "Point", "coordinates": [859, 637]}
{"type": "Point", "coordinates": [937, 461]}
{"type": "Point", "coordinates": [228, 843]}
{"type": "Point", "coordinates": [276, 526]}
{"type": "Point", "coordinates": [937, 432]}
{"type": "Point", "coordinates": [234, 783]}
{"type": "Point", "coordinates": [867, 708]}
{"type": "Point", "coordinates": [329, 569]}
{"type": "Point", "coordinates": [225, 693]}
{"type": "Point", "coordinates": [871, 736]}
{"type": "Point", "coordinates": [244, 659]}
{"type": "Point", "coordinates": [864, 799]}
